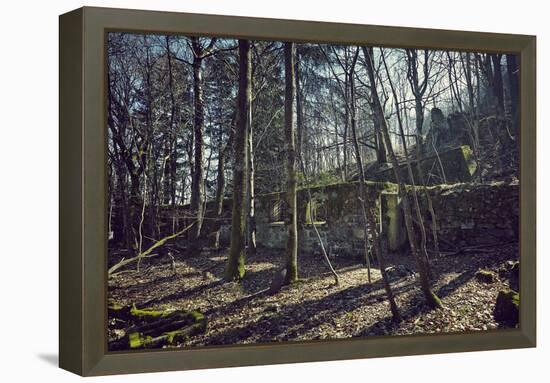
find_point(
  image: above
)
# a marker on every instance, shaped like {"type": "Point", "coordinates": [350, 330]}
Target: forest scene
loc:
{"type": "Point", "coordinates": [268, 191]}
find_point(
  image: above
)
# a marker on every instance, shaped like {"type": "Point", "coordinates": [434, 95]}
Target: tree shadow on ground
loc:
{"type": "Point", "coordinates": [144, 285]}
{"type": "Point", "coordinates": [255, 280]}
{"type": "Point", "coordinates": [417, 304]}
{"type": "Point", "coordinates": [287, 321]}
{"type": "Point", "coordinates": [182, 293]}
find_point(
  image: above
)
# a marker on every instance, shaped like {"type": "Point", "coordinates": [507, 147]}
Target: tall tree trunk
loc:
{"type": "Point", "coordinates": [221, 181]}
{"type": "Point", "coordinates": [235, 264]}
{"type": "Point", "coordinates": [370, 226]}
{"type": "Point", "coordinates": [220, 190]}
{"type": "Point", "coordinates": [418, 89]}
{"type": "Point", "coordinates": [498, 84]}
{"type": "Point", "coordinates": [172, 159]}
{"type": "Point", "coordinates": [197, 184]}
{"type": "Point", "coordinates": [502, 125]}
{"type": "Point", "coordinates": [359, 162]}
{"type": "Point", "coordinates": [419, 170]}
{"type": "Point", "coordinates": [381, 156]}
{"type": "Point", "coordinates": [290, 132]}
{"type": "Point", "coordinates": [346, 126]}
{"type": "Point", "coordinates": [251, 218]}
{"type": "Point", "coordinates": [299, 112]}
{"type": "Point", "coordinates": [474, 115]}
{"type": "Point", "coordinates": [121, 227]}
{"type": "Point", "coordinates": [512, 72]}
{"type": "Point", "coordinates": [421, 259]}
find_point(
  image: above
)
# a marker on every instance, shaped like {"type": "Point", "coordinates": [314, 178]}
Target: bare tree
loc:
{"type": "Point", "coordinates": [235, 263]}
{"type": "Point", "coordinates": [290, 139]}
{"type": "Point", "coordinates": [420, 255]}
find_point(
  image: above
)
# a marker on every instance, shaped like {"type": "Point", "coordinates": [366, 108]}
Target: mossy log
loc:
{"type": "Point", "coordinates": [155, 328]}
{"type": "Point", "coordinates": [137, 340]}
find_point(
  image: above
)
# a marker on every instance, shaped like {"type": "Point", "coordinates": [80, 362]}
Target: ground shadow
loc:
{"type": "Point", "coordinates": [285, 322]}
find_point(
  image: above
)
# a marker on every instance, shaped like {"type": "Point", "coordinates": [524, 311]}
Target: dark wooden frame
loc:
{"type": "Point", "coordinates": [82, 238]}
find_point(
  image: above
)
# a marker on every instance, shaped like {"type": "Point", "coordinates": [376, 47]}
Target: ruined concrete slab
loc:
{"type": "Point", "coordinates": [444, 167]}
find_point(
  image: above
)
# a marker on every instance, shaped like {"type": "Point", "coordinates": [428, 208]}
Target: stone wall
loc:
{"type": "Point", "coordinates": [337, 216]}
{"type": "Point", "coordinates": [470, 215]}
{"type": "Point", "coordinates": [467, 215]}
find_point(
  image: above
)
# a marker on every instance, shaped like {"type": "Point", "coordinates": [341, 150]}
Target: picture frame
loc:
{"type": "Point", "coordinates": [83, 218]}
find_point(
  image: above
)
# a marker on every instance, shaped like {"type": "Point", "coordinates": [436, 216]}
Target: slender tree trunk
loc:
{"type": "Point", "coordinates": [299, 112]}
{"type": "Point", "coordinates": [312, 219]}
{"type": "Point", "coordinates": [421, 259]}
{"type": "Point", "coordinates": [221, 181]}
{"type": "Point", "coordinates": [235, 264]}
{"type": "Point", "coordinates": [498, 84]}
{"type": "Point", "coordinates": [419, 169]}
{"type": "Point", "coordinates": [474, 115]}
{"type": "Point", "coordinates": [172, 146]}
{"type": "Point", "coordinates": [370, 226]}
{"type": "Point", "coordinates": [290, 132]}
{"type": "Point", "coordinates": [346, 125]}
{"type": "Point", "coordinates": [251, 218]}
{"type": "Point", "coordinates": [135, 203]}
{"type": "Point", "coordinates": [220, 190]}
{"type": "Point", "coordinates": [512, 72]}
{"type": "Point", "coordinates": [381, 156]}
{"type": "Point", "coordinates": [502, 126]}
{"type": "Point", "coordinates": [359, 162]}
{"type": "Point", "coordinates": [197, 184]}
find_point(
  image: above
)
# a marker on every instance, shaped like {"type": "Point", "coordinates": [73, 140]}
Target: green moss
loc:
{"type": "Point", "coordinates": [172, 335]}
{"type": "Point", "coordinates": [146, 313]}
{"type": "Point", "coordinates": [113, 306]}
{"type": "Point", "coordinates": [434, 301]}
{"type": "Point", "coordinates": [137, 340]}
{"type": "Point", "coordinates": [197, 316]}
{"type": "Point", "coordinates": [469, 159]}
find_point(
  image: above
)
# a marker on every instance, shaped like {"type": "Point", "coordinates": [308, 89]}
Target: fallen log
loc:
{"type": "Point", "coordinates": [138, 340]}
{"type": "Point", "coordinates": [155, 328]}
{"type": "Point", "coordinates": [147, 253]}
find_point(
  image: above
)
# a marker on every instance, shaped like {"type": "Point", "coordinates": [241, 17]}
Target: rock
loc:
{"type": "Point", "coordinates": [485, 276]}
{"type": "Point", "coordinates": [510, 271]}
{"type": "Point", "coordinates": [397, 272]}
{"type": "Point", "coordinates": [506, 310]}
{"type": "Point", "coordinates": [278, 281]}
{"type": "Point", "coordinates": [513, 276]}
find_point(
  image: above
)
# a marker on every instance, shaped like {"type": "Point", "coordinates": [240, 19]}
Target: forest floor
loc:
{"type": "Point", "coordinates": [314, 308]}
